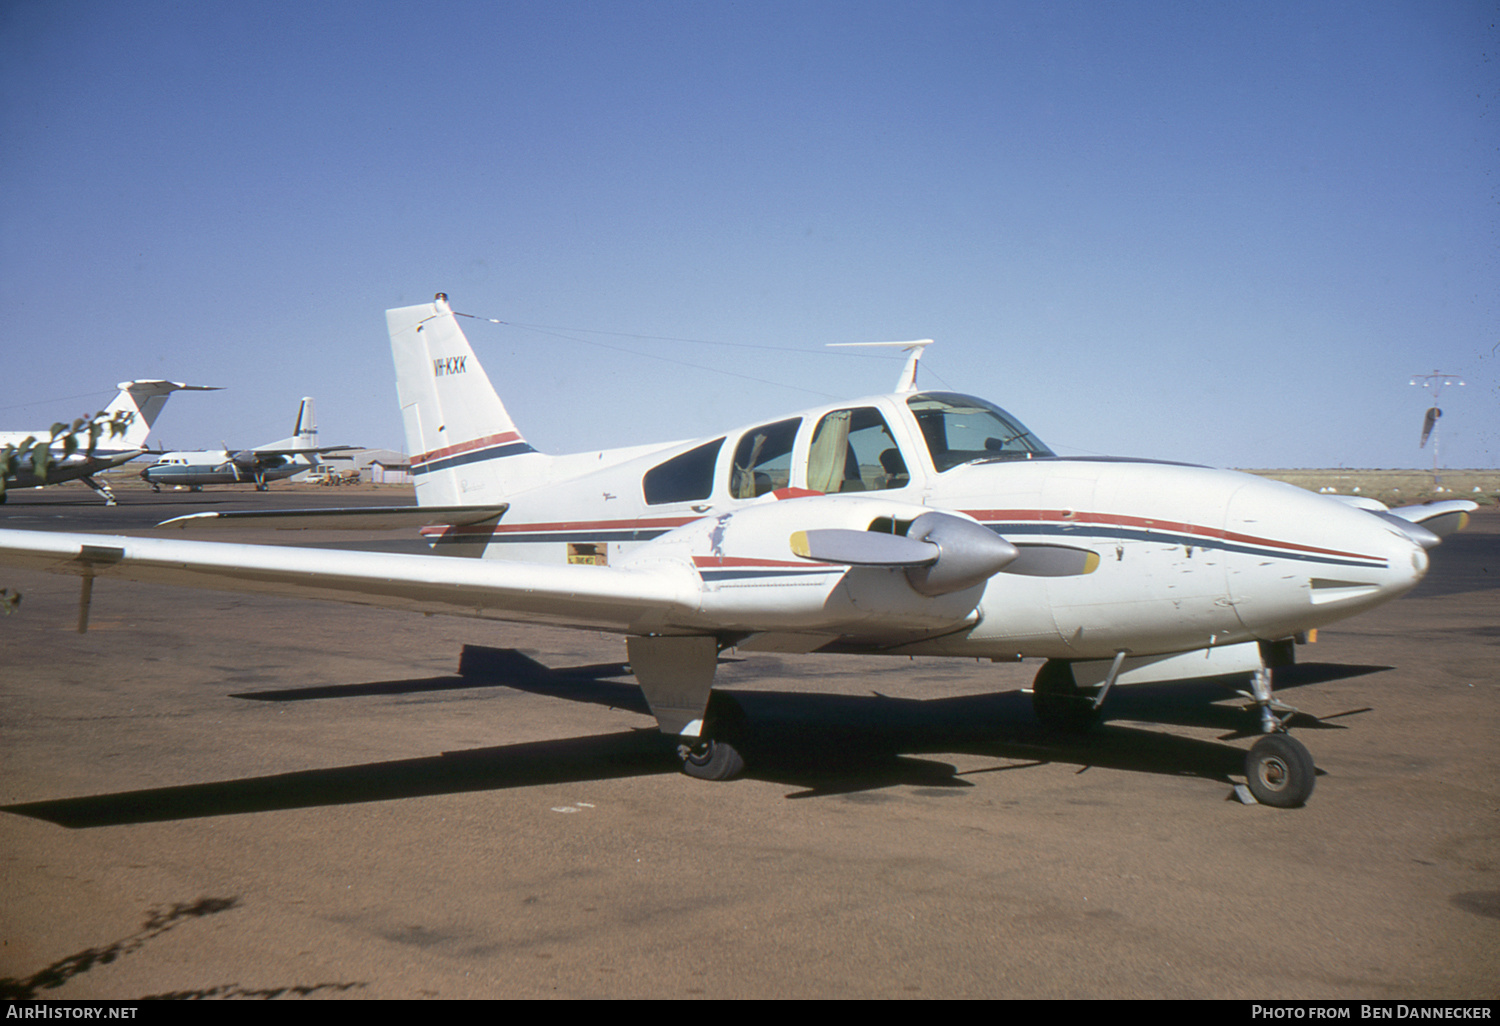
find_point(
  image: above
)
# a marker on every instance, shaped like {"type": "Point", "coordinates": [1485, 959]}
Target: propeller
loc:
{"type": "Point", "coordinates": [941, 553]}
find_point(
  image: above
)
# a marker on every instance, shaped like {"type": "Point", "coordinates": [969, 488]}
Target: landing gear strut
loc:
{"type": "Point", "coordinates": [1279, 769]}
{"type": "Point", "coordinates": [676, 674]}
{"type": "Point", "coordinates": [101, 489]}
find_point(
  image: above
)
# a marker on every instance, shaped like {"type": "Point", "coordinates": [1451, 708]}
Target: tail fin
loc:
{"type": "Point", "coordinates": [304, 434]}
{"type": "Point", "coordinates": [465, 449]}
{"type": "Point", "coordinates": [306, 431]}
{"type": "Point", "coordinates": [144, 400]}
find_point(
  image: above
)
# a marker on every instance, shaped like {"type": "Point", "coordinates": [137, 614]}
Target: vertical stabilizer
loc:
{"type": "Point", "coordinates": [304, 430]}
{"type": "Point", "coordinates": [143, 399]}
{"type": "Point", "coordinates": [465, 449]}
{"type": "Point", "coordinates": [307, 425]}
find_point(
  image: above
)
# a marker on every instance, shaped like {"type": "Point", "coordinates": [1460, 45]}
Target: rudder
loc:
{"type": "Point", "coordinates": [465, 449]}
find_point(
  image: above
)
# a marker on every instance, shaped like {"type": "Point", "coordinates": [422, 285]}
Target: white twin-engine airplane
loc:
{"type": "Point", "coordinates": [915, 523]}
{"type": "Point", "coordinates": [263, 464]}
{"type": "Point", "coordinates": [140, 401]}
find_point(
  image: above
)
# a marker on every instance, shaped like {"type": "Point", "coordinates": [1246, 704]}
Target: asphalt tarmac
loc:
{"type": "Point", "coordinates": [217, 795]}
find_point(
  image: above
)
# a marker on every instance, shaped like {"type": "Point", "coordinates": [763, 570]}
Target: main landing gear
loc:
{"type": "Point", "coordinates": [676, 675]}
{"type": "Point", "coordinates": [101, 489]}
{"type": "Point", "coordinates": [1279, 770]}
{"type": "Point", "coordinates": [716, 754]}
{"type": "Point", "coordinates": [1059, 702]}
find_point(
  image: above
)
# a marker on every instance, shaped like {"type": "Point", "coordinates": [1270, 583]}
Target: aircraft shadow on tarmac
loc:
{"type": "Point", "coordinates": [820, 744]}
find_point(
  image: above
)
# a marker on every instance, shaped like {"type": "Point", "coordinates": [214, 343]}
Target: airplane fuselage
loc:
{"type": "Point", "coordinates": [194, 469]}
{"type": "Point", "coordinates": [64, 468]}
{"type": "Point", "coordinates": [1177, 557]}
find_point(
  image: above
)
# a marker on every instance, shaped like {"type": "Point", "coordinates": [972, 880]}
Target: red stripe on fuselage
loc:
{"type": "Point", "coordinates": [1065, 518]}
{"type": "Point", "coordinates": [721, 562]}
{"type": "Point", "coordinates": [463, 447]}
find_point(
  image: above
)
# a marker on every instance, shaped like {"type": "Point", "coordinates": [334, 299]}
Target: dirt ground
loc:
{"type": "Point", "coordinates": [213, 795]}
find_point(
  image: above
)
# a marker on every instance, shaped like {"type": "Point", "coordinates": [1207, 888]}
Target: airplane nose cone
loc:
{"type": "Point", "coordinates": [1333, 559]}
{"type": "Point", "coordinates": [1393, 563]}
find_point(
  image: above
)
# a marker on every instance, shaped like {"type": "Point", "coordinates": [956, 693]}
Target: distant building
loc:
{"type": "Point", "coordinates": [370, 466]}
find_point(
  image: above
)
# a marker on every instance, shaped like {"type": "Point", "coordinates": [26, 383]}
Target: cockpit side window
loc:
{"type": "Point", "coordinates": [683, 478]}
{"type": "Point", "coordinates": [961, 429]}
{"type": "Point", "coordinates": [853, 451]}
{"type": "Point", "coordinates": [763, 459]}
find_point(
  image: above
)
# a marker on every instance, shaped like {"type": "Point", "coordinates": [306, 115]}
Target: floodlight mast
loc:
{"type": "Point", "coordinates": [1436, 381]}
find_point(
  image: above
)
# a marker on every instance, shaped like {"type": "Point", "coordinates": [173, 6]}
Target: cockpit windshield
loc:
{"type": "Point", "coordinates": [962, 429]}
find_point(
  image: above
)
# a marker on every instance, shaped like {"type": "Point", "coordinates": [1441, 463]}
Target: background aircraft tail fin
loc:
{"type": "Point", "coordinates": [465, 449]}
{"type": "Point", "coordinates": [306, 431]}
{"type": "Point", "coordinates": [304, 434]}
{"type": "Point", "coordinates": [145, 400]}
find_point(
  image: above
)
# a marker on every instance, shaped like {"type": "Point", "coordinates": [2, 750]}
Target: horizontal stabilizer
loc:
{"type": "Point", "coordinates": [366, 518]}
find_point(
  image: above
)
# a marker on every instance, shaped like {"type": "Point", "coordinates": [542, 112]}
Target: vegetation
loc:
{"type": "Point", "coordinates": [85, 431]}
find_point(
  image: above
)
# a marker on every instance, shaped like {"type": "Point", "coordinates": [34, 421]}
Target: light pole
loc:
{"type": "Point", "coordinates": [1436, 381]}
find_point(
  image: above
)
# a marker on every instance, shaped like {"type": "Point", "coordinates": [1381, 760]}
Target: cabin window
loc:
{"type": "Point", "coordinates": [853, 451]}
{"type": "Point", "coordinates": [763, 459]}
{"type": "Point", "coordinates": [961, 429]}
{"type": "Point", "coordinates": [683, 478]}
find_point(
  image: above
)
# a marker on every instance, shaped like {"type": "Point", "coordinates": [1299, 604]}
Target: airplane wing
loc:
{"type": "Point", "coordinates": [362, 518]}
{"type": "Point", "coordinates": [599, 597]}
{"type": "Point", "coordinates": [294, 451]}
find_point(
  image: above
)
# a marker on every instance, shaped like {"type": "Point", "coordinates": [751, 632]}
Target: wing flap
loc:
{"type": "Point", "coordinates": [600, 597]}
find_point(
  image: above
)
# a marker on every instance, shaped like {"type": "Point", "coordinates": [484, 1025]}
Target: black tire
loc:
{"type": "Point", "coordinates": [1058, 702]}
{"type": "Point", "coordinates": [1279, 771]}
{"type": "Point", "coordinates": [716, 755]}
{"type": "Point", "coordinates": [708, 759]}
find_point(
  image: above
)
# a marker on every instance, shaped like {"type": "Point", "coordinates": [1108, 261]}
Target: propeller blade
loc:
{"type": "Point", "coordinates": [1053, 561]}
{"type": "Point", "coordinates": [862, 548]}
{"type": "Point", "coordinates": [1438, 518]}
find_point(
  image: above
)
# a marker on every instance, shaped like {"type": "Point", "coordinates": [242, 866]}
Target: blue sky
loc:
{"type": "Point", "coordinates": [1224, 233]}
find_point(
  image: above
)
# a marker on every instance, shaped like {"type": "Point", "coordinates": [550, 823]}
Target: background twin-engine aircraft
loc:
{"type": "Point", "coordinates": [263, 464]}
{"type": "Point", "coordinates": [914, 523]}
{"type": "Point", "coordinates": [140, 403]}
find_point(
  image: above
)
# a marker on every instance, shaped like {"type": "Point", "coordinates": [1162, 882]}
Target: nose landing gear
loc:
{"type": "Point", "coordinates": [1279, 771]}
